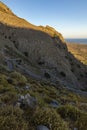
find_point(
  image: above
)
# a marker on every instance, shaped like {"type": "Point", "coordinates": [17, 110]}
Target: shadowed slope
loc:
{"type": "Point", "coordinates": [42, 50]}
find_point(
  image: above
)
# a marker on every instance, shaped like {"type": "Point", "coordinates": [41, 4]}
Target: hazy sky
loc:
{"type": "Point", "coordinates": [67, 16]}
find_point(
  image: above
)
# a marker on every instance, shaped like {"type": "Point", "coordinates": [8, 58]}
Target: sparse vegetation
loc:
{"type": "Point", "coordinates": [60, 118]}
{"type": "Point", "coordinates": [18, 78]}
{"type": "Point", "coordinates": [12, 118]}
{"type": "Point", "coordinates": [69, 111]}
{"type": "Point", "coordinates": [50, 118]}
{"type": "Point", "coordinates": [19, 91]}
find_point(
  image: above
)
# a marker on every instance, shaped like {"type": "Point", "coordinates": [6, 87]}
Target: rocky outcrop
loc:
{"type": "Point", "coordinates": [27, 101]}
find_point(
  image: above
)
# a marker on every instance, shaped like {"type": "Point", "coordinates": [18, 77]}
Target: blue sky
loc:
{"type": "Point", "coordinates": [67, 16]}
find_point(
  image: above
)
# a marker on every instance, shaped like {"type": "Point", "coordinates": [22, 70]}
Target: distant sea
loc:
{"type": "Point", "coordinates": [82, 41]}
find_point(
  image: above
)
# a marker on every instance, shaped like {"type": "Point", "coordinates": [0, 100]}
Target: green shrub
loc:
{"type": "Point", "coordinates": [4, 85]}
{"type": "Point", "coordinates": [3, 80]}
{"type": "Point", "coordinates": [81, 123]}
{"type": "Point", "coordinates": [47, 99]}
{"type": "Point", "coordinates": [11, 118]}
{"type": "Point", "coordinates": [49, 117]}
{"type": "Point", "coordinates": [75, 116]}
{"type": "Point", "coordinates": [68, 111]}
{"type": "Point", "coordinates": [18, 78]}
{"type": "Point", "coordinates": [9, 98]}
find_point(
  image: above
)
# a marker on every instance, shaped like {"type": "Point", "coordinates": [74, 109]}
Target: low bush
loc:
{"type": "Point", "coordinates": [18, 78]}
{"type": "Point", "coordinates": [4, 85]}
{"type": "Point", "coordinates": [9, 98]}
{"type": "Point", "coordinates": [69, 111]}
{"type": "Point", "coordinates": [11, 118]}
{"type": "Point", "coordinates": [81, 123]}
{"type": "Point", "coordinates": [50, 118]}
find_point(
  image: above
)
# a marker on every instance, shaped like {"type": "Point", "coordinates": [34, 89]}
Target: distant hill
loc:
{"type": "Point", "coordinates": [79, 51]}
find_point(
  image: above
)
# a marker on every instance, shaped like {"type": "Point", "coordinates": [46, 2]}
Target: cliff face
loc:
{"type": "Point", "coordinates": [41, 50]}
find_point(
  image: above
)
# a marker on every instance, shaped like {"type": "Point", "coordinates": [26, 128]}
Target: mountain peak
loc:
{"type": "Point", "coordinates": [4, 8]}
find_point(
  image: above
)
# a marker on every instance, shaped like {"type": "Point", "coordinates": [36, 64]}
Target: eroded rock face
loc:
{"type": "Point", "coordinates": [45, 51]}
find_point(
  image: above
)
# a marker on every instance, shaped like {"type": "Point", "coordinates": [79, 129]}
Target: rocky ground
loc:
{"type": "Point", "coordinates": [42, 85]}
{"type": "Point", "coordinates": [39, 105]}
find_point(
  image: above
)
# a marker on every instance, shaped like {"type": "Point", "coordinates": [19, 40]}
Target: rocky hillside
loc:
{"type": "Point", "coordinates": [41, 51]}
{"type": "Point", "coordinates": [42, 85]}
{"type": "Point", "coordinates": [9, 18]}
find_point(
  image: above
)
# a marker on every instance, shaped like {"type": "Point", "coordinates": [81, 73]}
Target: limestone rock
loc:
{"type": "Point", "coordinates": [42, 127]}
{"type": "Point", "coordinates": [27, 100]}
{"type": "Point", "coordinates": [54, 103]}
{"type": "Point", "coordinates": [75, 128]}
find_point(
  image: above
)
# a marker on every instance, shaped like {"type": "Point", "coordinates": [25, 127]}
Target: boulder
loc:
{"type": "Point", "coordinates": [21, 98]}
{"type": "Point", "coordinates": [75, 128]}
{"type": "Point", "coordinates": [42, 127]}
{"type": "Point", "coordinates": [27, 87]}
{"type": "Point", "coordinates": [18, 104]}
{"type": "Point", "coordinates": [27, 100]}
{"type": "Point", "coordinates": [54, 103]}
{"type": "Point", "coordinates": [30, 101]}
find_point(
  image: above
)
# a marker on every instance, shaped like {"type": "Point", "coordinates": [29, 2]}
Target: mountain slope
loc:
{"type": "Point", "coordinates": [42, 85]}
{"type": "Point", "coordinates": [8, 18]}
{"type": "Point", "coordinates": [42, 51]}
